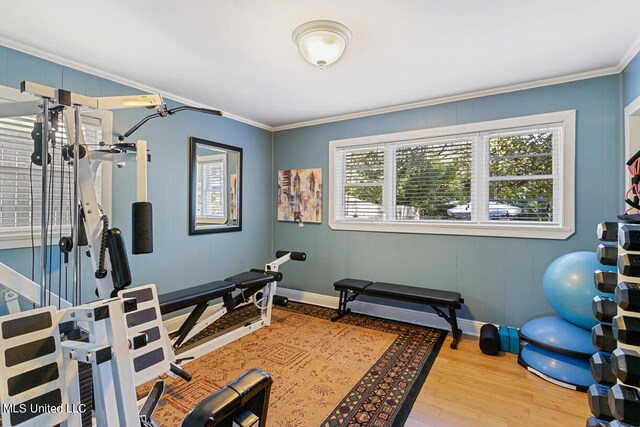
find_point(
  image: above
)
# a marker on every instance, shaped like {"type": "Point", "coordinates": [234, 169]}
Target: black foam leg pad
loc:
{"type": "Point", "coordinates": [142, 226]}
{"type": "Point", "coordinates": [119, 262]}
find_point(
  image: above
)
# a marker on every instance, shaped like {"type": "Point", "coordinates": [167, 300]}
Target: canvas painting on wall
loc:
{"type": "Point", "coordinates": [300, 195]}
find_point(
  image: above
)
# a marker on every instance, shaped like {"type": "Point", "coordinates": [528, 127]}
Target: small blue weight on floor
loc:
{"type": "Point", "coordinates": [503, 331]}
{"type": "Point", "coordinates": [514, 341]}
{"type": "Point", "coordinates": [560, 336]}
{"type": "Point", "coordinates": [570, 371]}
{"type": "Point", "coordinates": [568, 286]}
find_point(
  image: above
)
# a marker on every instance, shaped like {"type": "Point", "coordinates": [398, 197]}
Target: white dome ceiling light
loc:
{"type": "Point", "coordinates": [321, 42]}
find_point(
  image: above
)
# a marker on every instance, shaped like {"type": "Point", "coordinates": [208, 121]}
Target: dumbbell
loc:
{"type": "Point", "coordinates": [629, 237]}
{"type": "Point", "coordinates": [602, 337]}
{"type": "Point", "coordinates": [628, 296]}
{"type": "Point", "coordinates": [607, 255]}
{"type": "Point", "coordinates": [625, 365]}
{"type": "Point", "coordinates": [629, 265]}
{"type": "Point", "coordinates": [607, 231]}
{"type": "Point", "coordinates": [598, 396]}
{"type": "Point", "coordinates": [604, 308]}
{"type": "Point", "coordinates": [624, 403]}
{"type": "Point", "coordinates": [626, 329]}
{"type": "Point", "coordinates": [605, 281]}
{"type": "Point", "coordinates": [601, 369]}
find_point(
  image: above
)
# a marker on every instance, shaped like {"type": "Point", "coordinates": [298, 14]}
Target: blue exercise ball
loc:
{"type": "Point", "coordinates": [569, 288]}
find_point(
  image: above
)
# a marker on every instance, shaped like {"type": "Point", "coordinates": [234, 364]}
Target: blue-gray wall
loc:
{"type": "Point", "coordinates": [179, 260]}
{"type": "Point", "coordinates": [500, 278]}
{"type": "Point", "coordinates": [631, 80]}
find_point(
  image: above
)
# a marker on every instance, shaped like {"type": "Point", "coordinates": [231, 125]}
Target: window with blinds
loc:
{"type": "Point", "coordinates": [21, 180]}
{"type": "Point", "coordinates": [511, 177]}
{"type": "Point", "coordinates": [211, 187]}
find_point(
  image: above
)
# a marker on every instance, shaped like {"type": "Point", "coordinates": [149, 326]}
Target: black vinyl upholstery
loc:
{"type": "Point", "coordinates": [188, 297]}
{"type": "Point", "coordinates": [413, 293]}
{"type": "Point", "coordinates": [250, 279]}
{"type": "Point", "coordinates": [351, 285]}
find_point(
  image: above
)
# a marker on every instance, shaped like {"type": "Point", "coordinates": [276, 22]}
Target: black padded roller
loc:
{"type": "Point", "coordinates": [628, 296]}
{"type": "Point", "coordinates": [604, 308]}
{"type": "Point", "coordinates": [296, 256]}
{"type": "Point", "coordinates": [119, 262]}
{"type": "Point", "coordinates": [142, 226]}
{"type": "Point", "coordinates": [607, 231]}
{"type": "Point", "coordinates": [489, 339]}
{"type": "Point", "coordinates": [605, 281]}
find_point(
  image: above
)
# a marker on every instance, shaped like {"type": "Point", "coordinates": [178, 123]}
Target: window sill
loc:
{"type": "Point", "coordinates": [460, 229]}
{"type": "Point", "coordinates": [22, 239]}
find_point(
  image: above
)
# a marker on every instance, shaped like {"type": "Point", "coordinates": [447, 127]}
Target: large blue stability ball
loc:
{"type": "Point", "coordinates": [568, 286]}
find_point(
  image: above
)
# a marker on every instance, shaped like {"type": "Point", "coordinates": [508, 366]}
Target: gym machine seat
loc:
{"type": "Point", "coordinates": [351, 288]}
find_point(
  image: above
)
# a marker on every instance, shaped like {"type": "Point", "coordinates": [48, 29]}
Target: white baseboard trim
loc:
{"type": "Point", "coordinates": [469, 327]}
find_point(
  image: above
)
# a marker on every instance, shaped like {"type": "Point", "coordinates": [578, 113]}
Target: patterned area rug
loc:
{"type": "Point", "coordinates": [359, 371]}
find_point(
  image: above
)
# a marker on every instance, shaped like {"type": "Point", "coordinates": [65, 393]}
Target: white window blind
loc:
{"type": "Point", "coordinates": [362, 176]}
{"type": "Point", "coordinates": [211, 187]}
{"type": "Point", "coordinates": [21, 180]}
{"type": "Point", "coordinates": [511, 177]}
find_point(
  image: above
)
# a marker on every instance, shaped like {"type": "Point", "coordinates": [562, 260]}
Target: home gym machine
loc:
{"type": "Point", "coordinates": [44, 349]}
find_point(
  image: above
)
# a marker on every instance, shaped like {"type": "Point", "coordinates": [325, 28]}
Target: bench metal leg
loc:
{"type": "Point", "coordinates": [451, 320]}
{"type": "Point", "coordinates": [342, 305]}
{"type": "Point", "coordinates": [456, 332]}
{"type": "Point", "coordinates": [188, 324]}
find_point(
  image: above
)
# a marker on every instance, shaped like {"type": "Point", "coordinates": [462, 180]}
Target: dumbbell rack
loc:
{"type": "Point", "coordinates": [615, 399]}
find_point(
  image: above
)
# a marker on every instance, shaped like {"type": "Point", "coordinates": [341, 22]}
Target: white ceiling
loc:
{"type": "Point", "coordinates": [238, 55]}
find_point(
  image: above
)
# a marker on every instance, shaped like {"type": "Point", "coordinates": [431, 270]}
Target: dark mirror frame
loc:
{"type": "Point", "coordinates": [193, 177]}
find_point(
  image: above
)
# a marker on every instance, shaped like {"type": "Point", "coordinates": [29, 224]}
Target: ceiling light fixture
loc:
{"type": "Point", "coordinates": [321, 42]}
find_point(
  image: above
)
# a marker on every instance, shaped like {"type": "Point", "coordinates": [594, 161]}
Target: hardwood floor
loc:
{"type": "Point", "coordinates": [469, 389]}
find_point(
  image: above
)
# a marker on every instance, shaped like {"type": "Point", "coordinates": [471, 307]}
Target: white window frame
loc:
{"type": "Point", "coordinates": [565, 162]}
{"type": "Point", "coordinates": [12, 238]}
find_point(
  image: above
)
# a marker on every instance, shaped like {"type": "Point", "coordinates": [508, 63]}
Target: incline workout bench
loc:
{"type": "Point", "coordinates": [351, 288]}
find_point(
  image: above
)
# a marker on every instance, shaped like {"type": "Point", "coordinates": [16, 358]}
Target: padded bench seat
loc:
{"type": "Point", "coordinates": [415, 294]}
{"type": "Point", "coordinates": [250, 279]}
{"type": "Point", "coordinates": [351, 288]}
{"type": "Point", "coordinates": [183, 298]}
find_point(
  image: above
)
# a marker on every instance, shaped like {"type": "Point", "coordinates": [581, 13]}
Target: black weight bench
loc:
{"type": "Point", "coordinates": [248, 282]}
{"type": "Point", "coordinates": [351, 288]}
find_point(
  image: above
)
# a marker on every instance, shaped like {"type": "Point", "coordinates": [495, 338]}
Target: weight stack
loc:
{"type": "Point", "coordinates": [86, 391]}
{"type": "Point", "coordinates": [617, 367]}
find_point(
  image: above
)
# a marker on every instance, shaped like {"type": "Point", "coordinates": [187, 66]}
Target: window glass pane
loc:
{"type": "Point", "coordinates": [521, 200]}
{"type": "Point", "coordinates": [521, 155]}
{"type": "Point", "coordinates": [363, 202]}
{"type": "Point", "coordinates": [210, 189]}
{"type": "Point", "coordinates": [433, 181]}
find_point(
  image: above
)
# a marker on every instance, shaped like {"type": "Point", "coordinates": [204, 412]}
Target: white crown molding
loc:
{"type": "Point", "coordinates": [12, 44]}
{"type": "Point", "coordinates": [469, 327]}
{"type": "Point", "coordinates": [453, 98]}
{"type": "Point", "coordinates": [631, 53]}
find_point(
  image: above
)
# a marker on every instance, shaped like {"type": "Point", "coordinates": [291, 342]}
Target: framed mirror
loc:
{"type": "Point", "coordinates": [215, 187]}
